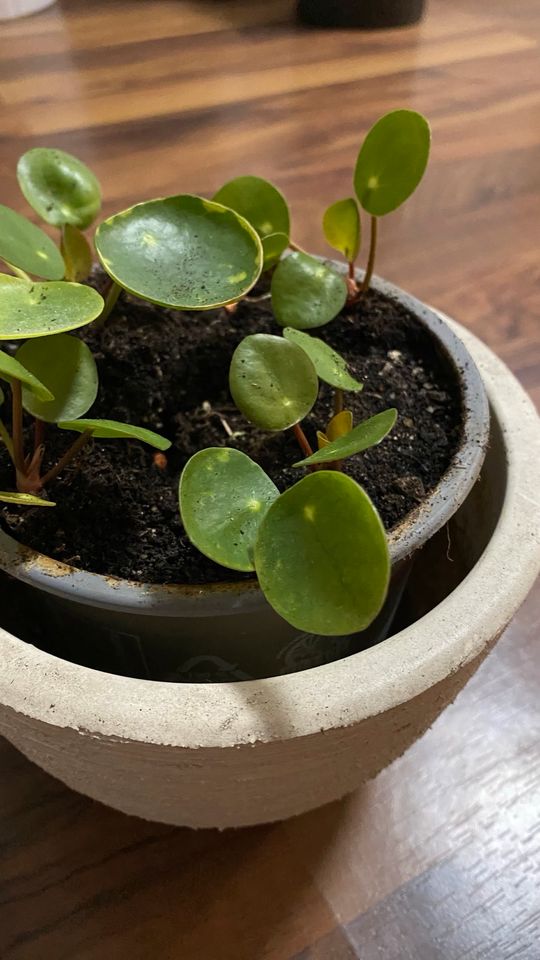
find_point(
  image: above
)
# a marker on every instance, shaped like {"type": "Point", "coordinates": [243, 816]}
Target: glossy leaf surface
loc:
{"type": "Point", "coordinates": [364, 435]}
{"type": "Point", "coordinates": [392, 161]}
{"type": "Point", "coordinates": [330, 365]}
{"type": "Point", "coordinates": [224, 495]}
{"type": "Point", "coordinates": [341, 226]}
{"type": "Point", "coordinates": [26, 246]}
{"type": "Point", "coordinates": [259, 201]}
{"type": "Point", "coordinates": [66, 366]}
{"type": "Point", "coordinates": [306, 293]}
{"type": "Point", "coordinates": [273, 246]}
{"type": "Point", "coordinates": [12, 369]}
{"type": "Point", "coordinates": [321, 555]}
{"type": "Point", "coordinates": [24, 499]}
{"type": "Point", "coordinates": [59, 187]}
{"type": "Point", "coordinates": [273, 382]}
{"type": "Point", "coordinates": [37, 309]}
{"type": "Point", "coordinates": [115, 430]}
{"type": "Point", "coordinates": [182, 252]}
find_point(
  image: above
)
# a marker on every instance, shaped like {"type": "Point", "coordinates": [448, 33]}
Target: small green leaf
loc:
{"type": "Point", "coordinates": [330, 366]}
{"type": "Point", "coordinates": [273, 382]}
{"type": "Point", "coordinates": [182, 252]}
{"type": "Point", "coordinates": [392, 161]}
{"type": "Point", "coordinates": [12, 369]}
{"type": "Point", "coordinates": [66, 365]}
{"type": "Point", "coordinates": [321, 555]}
{"type": "Point", "coordinates": [306, 292]}
{"type": "Point", "coordinates": [259, 201]}
{"type": "Point", "coordinates": [24, 499]}
{"type": "Point", "coordinates": [115, 430]}
{"type": "Point", "coordinates": [30, 309]}
{"type": "Point", "coordinates": [341, 225]}
{"type": "Point", "coordinates": [27, 247]}
{"type": "Point", "coordinates": [77, 253]}
{"type": "Point", "coordinates": [273, 246]}
{"type": "Point", "coordinates": [223, 498]}
{"type": "Point", "coordinates": [365, 435]}
{"type": "Point", "coordinates": [59, 187]}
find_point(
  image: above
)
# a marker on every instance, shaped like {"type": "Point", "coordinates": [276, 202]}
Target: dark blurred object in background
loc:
{"type": "Point", "coordinates": [363, 14]}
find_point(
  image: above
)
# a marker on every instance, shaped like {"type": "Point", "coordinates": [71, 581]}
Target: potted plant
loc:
{"type": "Point", "coordinates": [317, 544]}
{"type": "Point", "coordinates": [295, 479]}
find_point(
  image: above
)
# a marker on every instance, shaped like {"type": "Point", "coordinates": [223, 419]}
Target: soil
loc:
{"type": "Point", "coordinates": [117, 509]}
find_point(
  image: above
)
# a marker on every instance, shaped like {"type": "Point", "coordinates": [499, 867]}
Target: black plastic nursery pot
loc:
{"type": "Point", "coordinates": [227, 631]}
{"type": "Point", "coordinates": [360, 14]}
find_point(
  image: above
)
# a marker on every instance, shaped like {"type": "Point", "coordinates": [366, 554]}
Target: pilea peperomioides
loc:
{"type": "Point", "coordinates": [319, 548]}
{"type": "Point", "coordinates": [313, 545]}
{"type": "Point", "coordinates": [55, 380]}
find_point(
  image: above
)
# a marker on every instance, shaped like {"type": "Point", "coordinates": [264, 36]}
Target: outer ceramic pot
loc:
{"type": "Point", "coordinates": [232, 754]}
{"type": "Point", "coordinates": [10, 9]}
{"type": "Point", "coordinates": [363, 14]}
{"type": "Point", "coordinates": [228, 631]}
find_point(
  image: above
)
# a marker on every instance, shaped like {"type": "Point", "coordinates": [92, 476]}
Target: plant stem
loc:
{"type": "Point", "coordinates": [39, 433]}
{"type": "Point", "coordinates": [17, 426]}
{"type": "Point", "coordinates": [371, 259]}
{"type": "Point", "coordinates": [18, 272]}
{"type": "Point", "coordinates": [351, 271]}
{"type": "Point", "coordinates": [302, 440]}
{"type": "Point", "coordinates": [295, 247]}
{"type": "Point", "coordinates": [111, 297]}
{"type": "Point", "coordinates": [5, 437]}
{"type": "Point", "coordinates": [69, 455]}
{"type": "Point", "coordinates": [338, 401]}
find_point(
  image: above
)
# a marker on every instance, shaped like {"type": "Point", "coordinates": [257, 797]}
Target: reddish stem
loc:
{"type": "Point", "coordinates": [17, 425]}
{"type": "Point", "coordinates": [302, 440]}
{"type": "Point", "coordinates": [69, 455]}
{"type": "Point", "coordinates": [39, 433]}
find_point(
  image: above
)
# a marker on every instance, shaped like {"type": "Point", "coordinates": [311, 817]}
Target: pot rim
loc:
{"type": "Point", "coordinates": [338, 694]}
{"type": "Point", "coordinates": [226, 598]}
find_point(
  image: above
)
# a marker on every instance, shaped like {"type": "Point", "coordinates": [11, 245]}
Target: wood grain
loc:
{"type": "Point", "coordinates": [439, 858]}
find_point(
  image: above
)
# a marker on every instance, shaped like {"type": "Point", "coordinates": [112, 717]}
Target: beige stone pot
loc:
{"type": "Point", "coordinates": [232, 754]}
{"type": "Point", "coordinates": [11, 9]}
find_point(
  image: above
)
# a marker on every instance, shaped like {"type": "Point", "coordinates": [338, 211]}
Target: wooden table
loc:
{"type": "Point", "coordinates": [439, 858]}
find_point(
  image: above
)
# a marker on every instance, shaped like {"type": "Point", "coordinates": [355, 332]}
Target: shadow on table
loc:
{"type": "Point", "coordinates": [80, 880]}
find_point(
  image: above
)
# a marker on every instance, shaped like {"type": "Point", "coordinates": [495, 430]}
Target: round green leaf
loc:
{"type": "Point", "coordinates": [259, 201]}
{"type": "Point", "coordinates": [66, 366]}
{"type": "Point", "coordinates": [392, 161]}
{"type": "Point", "coordinates": [77, 253]}
{"type": "Point", "coordinates": [27, 247]}
{"type": "Point", "coordinates": [273, 246]}
{"type": "Point", "coordinates": [365, 435]}
{"type": "Point", "coordinates": [24, 499]}
{"type": "Point", "coordinates": [182, 252]}
{"type": "Point", "coordinates": [321, 555]}
{"type": "Point", "coordinates": [36, 309]}
{"type": "Point", "coordinates": [273, 382]}
{"type": "Point", "coordinates": [59, 187]}
{"type": "Point", "coordinates": [329, 364]}
{"type": "Point", "coordinates": [223, 497]}
{"type": "Point", "coordinates": [115, 430]}
{"type": "Point", "coordinates": [12, 369]}
{"type": "Point", "coordinates": [306, 292]}
{"type": "Point", "coordinates": [341, 226]}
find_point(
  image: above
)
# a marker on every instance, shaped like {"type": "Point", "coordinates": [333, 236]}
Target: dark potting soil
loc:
{"type": "Point", "coordinates": [117, 509]}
